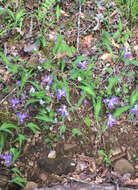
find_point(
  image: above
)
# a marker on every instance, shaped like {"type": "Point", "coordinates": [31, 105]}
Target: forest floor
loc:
{"type": "Point", "coordinates": [81, 47]}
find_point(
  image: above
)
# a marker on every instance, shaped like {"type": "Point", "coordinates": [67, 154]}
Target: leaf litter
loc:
{"type": "Point", "coordinates": [116, 143]}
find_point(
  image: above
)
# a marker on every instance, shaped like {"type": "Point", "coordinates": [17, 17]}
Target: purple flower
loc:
{"type": "Point", "coordinates": [60, 93]}
{"type": "Point", "coordinates": [22, 117]}
{"type": "Point", "coordinates": [7, 158]}
{"type": "Point", "coordinates": [82, 65]}
{"type": "Point", "coordinates": [48, 79]}
{"type": "Point", "coordinates": [127, 53]}
{"type": "Point", "coordinates": [63, 111]}
{"type": "Point", "coordinates": [111, 102]}
{"type": "Point", "coordinates": [85, 101]}
{"type": "Point", "coordinates": [135, 109]}
{"type": "Point", "coordinates": [18, 82]}
{"type": "Point", "coordinates": [111, 121]}
{"type": "Point", "coordinates": [14, 101]}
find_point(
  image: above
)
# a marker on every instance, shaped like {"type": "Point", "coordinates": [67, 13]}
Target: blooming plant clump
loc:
{"type": "Point", "coordinates": [14, 101]}
{"type": "Point", "coordinates": [63, 110]}
{"type": "Point", "coordinates": [111, 121]}
{"type": "Point", "coordinates": [7, 158]}
{"type": "Point", "coordinates": [21, 117]}
{"type": "Point", "coordinates": [60, 93]}
{"type": "Point", "coordinates": [127, 53]}
{"type": "Point", "coordinates": [111, 102]}
{"type": "Point", "coordinates": [82, 64]}
{"type": "Point", "coordinates": [135, 109]}
{"type": "Point", "coordinates": [48, 79]}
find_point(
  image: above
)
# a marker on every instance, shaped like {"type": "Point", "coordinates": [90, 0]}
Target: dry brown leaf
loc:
{"type": "Point", "coordinates": [59, 56]}
{"type": "Point", "coordinates": [115, 44]}
{"type": "Point", "coordinates": [63, 13]}
{"type": "Point", "coordinates": [106, 57]}
{"type": "Point", "coordinates": [85, 42]}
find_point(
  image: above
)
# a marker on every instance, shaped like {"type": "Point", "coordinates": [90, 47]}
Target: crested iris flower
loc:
{"type": "Point", "coordinates": [85, 101]}
{"type": "Point", "coordinates": [111, 102]}
{"type": "Point", "coordinates": [22, 117]}
{"type": "Point", "coordinates": [135, 109]}
{"type": "Point", "coordinates": [82, 64]}
{"type": "Point", "coordinates": [14, 101]}
{"type": "Point", "coordinates": [111, 121]}
{"type": "Point", "coordinates": [7, 158]}
{"type": "Point", "coordinates": [127, 53]}
{"type": "Point", "coordinates": [60, 93]}
{"type": "Point", "coordinates": [18, 82]}
{"type": "Point", "coordinates": [63, 110]}
{"type": "Point", "coordinates": [48, 79]}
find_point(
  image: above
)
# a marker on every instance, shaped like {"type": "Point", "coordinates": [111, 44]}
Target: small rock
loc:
{"type": "Point", "coordinates": [123, 166]}
{"type": "Point", "coordinates": [52, 154]}
{"type": "Point", "coordinates": [57, 166]}
{"type": "Point", "coordinates": [31, 185]}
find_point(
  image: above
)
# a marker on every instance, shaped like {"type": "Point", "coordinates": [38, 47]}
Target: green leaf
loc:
{"type": "Point", "coordinates": [62, 130]}
{"type": "Point", "coordinates": [128, 62]}
{"type": "Point", "coordinates": [21, 138]}
{"type": "Point", "coordinates": [39, 94]}
{"type": "Point", "coordinates": [36, 85]}
{"type": "Point", "coordinates": [16, 154]}
{"type": "Point", "coordinates": [76, 131]}
{"type": "Point", "coordinates": [111, 83]}
{"type": "Point", "coordinates": [88, 90]}
{"type": "Point", "coordinates": [83, 94]}
{"type": "Point", "coordinates": [87, 121]}
{"type": "Point", "coordinates": [44, 118]}
{"type": "Point", "coordinates": [16, 171]}
{"type": "Point", "coordinates": [3, 138]}
{"type": "Point", "coordinates": [97, 107]}
{"type": "Point", "coordinates": [18, 180]}
{"type": "Point", "coordinates": [7, 126]}
{"type": "Point", "coordinates": [11, 67]}
{"type": "Point", "coordinates": [31, 100]}
{"type": "Point", "coordinates": [133, 97]}
{"type": "Point", "coordinates": [33, 127]}
{"type": "Point", "coordinates": [2, 11]}
{"type": "Point", "coordinates": [120, 110]}
{"type": "Point", "coordinates": [66, 88]}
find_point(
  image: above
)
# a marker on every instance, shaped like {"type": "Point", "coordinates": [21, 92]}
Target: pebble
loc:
{"type": "Point", "coordinates": [52, 154]}
{"type": "Point", "coordinates": [123, 166]}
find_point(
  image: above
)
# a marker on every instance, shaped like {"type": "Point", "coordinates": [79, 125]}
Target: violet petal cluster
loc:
{"type": "Point", "coordinates": [82, 64]}
{"type": "Point", "coordinates": [127, 53]}
{"type": "Point", "coordinates": [111, 121]}
{"type": "Point", "coordinates": [135, 109]}
{"type": "Point", "coordinates": [18, 83]}
{"type": "Point", "coordinates": [85, 101]}
{"type": "Point", "coordinates": [7, 158]}
{"type": "Point", "coordinates": [60, 93]}
{"type": "Point", "coordinates": [63, 110]}
{"type": "Point", "coordinates": [14, 101]}
{"type": "Point", "coordinates": [111, 102]}
{"type": "Point", "coordinates": [48, 79]}
{"type": "Point", "coordinates": [22, 117]}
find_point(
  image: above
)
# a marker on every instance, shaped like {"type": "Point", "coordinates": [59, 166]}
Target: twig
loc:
{"type": "Point", "coordinates": [78, 31]}
{"type": "Point", "coordinates": [7, 96]}
{"type": "Point", "coordinates": [31, 27]}
{"type": "Point", "coordinates": [74, 179]}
